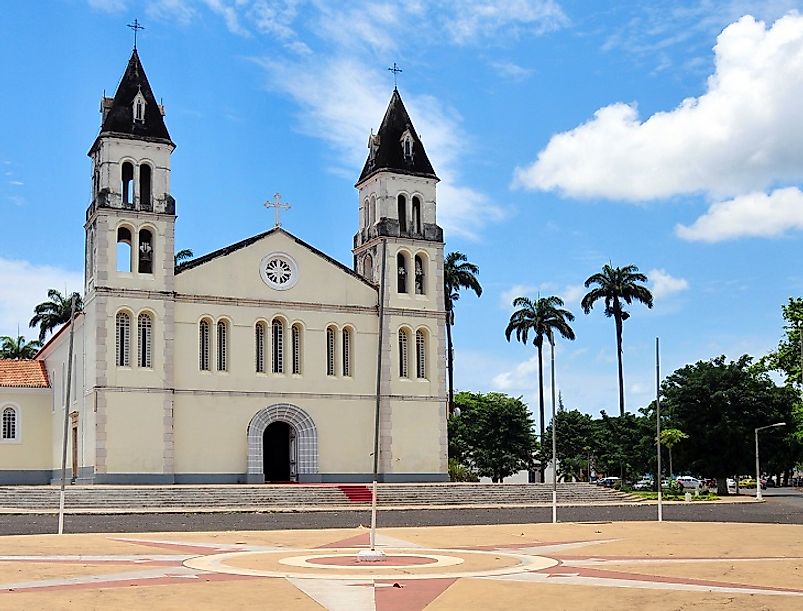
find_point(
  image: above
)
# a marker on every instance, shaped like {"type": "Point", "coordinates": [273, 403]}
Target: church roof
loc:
{"type": "Point", "coordinates": [389, 154]}
{"type": "Point", "coordinates": [119, 119]}
{"type": "Point", "coordinates": [23, 374]}
{"type": "Point", "coordinates": [227, 250]}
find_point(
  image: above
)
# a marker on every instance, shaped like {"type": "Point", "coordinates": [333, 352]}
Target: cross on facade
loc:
{"type": "Point", "coordinates": [135, 26]}
{"type": "Point", "coordinates": [277, 204]}
{"type": "Point", "coordinates": [395, 70]}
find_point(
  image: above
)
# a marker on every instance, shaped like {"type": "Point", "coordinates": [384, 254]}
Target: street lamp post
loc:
{"type": "Point", "coordinates": [758, 469]}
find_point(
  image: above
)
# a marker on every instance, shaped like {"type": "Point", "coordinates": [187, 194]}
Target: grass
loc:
{"type": "Point", "coordinates": [671, 496]}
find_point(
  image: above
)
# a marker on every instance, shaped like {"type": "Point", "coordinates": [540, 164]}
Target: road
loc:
{"type": "Point", "coordinates": [783, 506]}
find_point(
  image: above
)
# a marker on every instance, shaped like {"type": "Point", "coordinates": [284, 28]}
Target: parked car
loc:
{"type": "Point", "coordinates": [643, 484]}
{"type": "Point", "coordinates": [692, 483]}
{"type": "Point", "coordinates": [609, 482]}
{"type": "Point", "coordinates": [751, 483]}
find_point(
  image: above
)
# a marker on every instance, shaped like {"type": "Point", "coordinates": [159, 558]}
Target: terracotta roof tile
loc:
{"type": "Point", "coordinates": [23, 374]}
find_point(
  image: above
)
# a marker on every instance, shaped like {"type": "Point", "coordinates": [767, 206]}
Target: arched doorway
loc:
{"type": "Point", "coordinates": [296, 437]}
{"type": "Point", "coordinates": [279, 457]}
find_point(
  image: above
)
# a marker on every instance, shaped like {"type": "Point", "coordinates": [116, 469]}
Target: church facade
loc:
{"type": "Point", "coordinates": [264, 361]}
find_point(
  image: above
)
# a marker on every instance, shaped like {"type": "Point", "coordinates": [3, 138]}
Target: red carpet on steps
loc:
{"type": "Point", "coordinates": [356, 493]}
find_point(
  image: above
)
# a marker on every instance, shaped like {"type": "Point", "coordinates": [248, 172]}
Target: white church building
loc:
{"type": "Point", "coordinates": [263, 361]}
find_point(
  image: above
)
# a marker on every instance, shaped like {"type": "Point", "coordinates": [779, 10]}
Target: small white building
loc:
{"type": "Point", "coordinates": [257, 362]}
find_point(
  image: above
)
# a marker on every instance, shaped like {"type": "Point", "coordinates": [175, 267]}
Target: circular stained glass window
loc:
{"type": "Point", "coordinates": [279, 271]}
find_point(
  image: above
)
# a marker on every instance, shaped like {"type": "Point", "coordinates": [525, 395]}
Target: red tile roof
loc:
{"type": "Point", "coordinates": [23, 374]}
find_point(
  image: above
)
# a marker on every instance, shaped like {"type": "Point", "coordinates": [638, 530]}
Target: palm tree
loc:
{"type": "Point", "coordinates": [54, 312]}
{"type": "Point", "coordinates": [670, 438]}
{"type": "Point", "coordinates": [458, 274]}
{"type": "Point", "coordinates": [182, 255]}
{"type": "Point", "coordinates": [541, 317]}
{"type": "Point", "coordinates": [18, 348]}
{"type": "Point", "coordinates": [616, 285]}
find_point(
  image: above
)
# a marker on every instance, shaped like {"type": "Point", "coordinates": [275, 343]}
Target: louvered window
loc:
{"type": "Point", "coordinates": [123, 340]}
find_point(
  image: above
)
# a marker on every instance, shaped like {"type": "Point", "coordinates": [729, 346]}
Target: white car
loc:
{"type": "Point", "coordinates": [691, 483]}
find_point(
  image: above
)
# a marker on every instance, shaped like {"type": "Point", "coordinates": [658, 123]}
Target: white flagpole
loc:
{"type": "Point", "coordinates": [66, 417]}
{"type": "Point", "coordinates": [658, 427]}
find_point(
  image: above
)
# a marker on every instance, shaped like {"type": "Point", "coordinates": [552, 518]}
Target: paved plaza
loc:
{"type": "Point", "coordinates": [620, 565]}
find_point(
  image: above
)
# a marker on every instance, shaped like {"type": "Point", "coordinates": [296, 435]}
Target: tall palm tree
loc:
{"type": "Point", "coordinates": [185, 254]}
{"type": "Point", "coordinates": [458, 273]}
{"type": "Point", "coordinates": [54, 312]}
{"type": "Point", "coordinates": [617, 285]}
{"type": "Point", "coordinates": [18, 348]}
{"type": "Point", "coordinates": [542, 318]}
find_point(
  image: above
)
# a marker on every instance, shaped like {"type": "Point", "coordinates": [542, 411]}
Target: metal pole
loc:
{"type": "Point", "coordinates": [554, 444]}
{"type": "Point", "coordinates": [758, 472]}
{"type": "Point", "coordinates": [658, 426]}
{"type": "Point", "coordinates": [66, 417]}
{"type": "Point", "coordinates": [378, 393]}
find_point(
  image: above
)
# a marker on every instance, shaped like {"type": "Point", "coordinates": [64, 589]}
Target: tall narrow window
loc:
{"type": "Point", "coordinates": [222, 346]}
{"type": "Point", "coordinates": [419, 275]}
{"type": "Point", "coordinates": [145, 187]}
{"type": "Point", "coordinates": [145, 252]}
{"type": "Point", "coordinates": [401, 202]}
{"type": "Point", "coordinates": [277, 351]}
{"type": "Point", "coordinates": [368, 267]}
{"type": "Point", "coordinates": [123, 249]}
{"type": "Point", "coordinates": [372, 211]}
{"type": "Point", "coordinates": [204, 336]}
{"type": "Point", "coordinates": [139, 111]}
{"type": "Point", "coordinates": [9, 424]}
{"type": "Point", "coordinates": [330, 351]}
{"type": "Point", "coordinates": [346, 352]}
{"type": "Point", "coordinates": [401, 272]}
{"type": "Point", "coordinates": [420, 355]}
{"type": "Point", "coordinates": [403, 362]}
{"type": "Point", "coordinates": [144, 333]}
{"type": "Point", "coordinates": [90, 253]}
{"type": "Point", "coordinates": [295, 339]}
{"type": "Point", "coordinates": [123, 343]}
{"type": "Point", "coordinates": [417, 214]}
{"type": "Point", "coordinates": [259, 344]}
{"type": "Point", "coordinates": [127, 186]}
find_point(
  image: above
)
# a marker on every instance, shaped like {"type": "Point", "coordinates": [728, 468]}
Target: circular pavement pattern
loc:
{"type": "Point", "coordinates": [400, 564]}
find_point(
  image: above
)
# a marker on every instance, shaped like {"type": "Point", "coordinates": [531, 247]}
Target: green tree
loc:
{"type": "Point", "coordinates": [788, 357]}
{"type": "Point", "coordinates": [458, 274]}
{"type": "Point", "coordinates": [542, 318]}
{"type": "Point", "coordinates": [617, 286]}
{"type": "Point", "coordinates": [54, 312]}
{"type": "Point", "coordinates": [624, 445]}
{"type": "Point", "coordinates": [669, 439]}
{"type": "Point", "coordinates": [492, 434]}
{"type": "Point", "coordinates": [719, 404]}
{"type": "Point", "coordinates": [182, 255]}
{"type": "Point", "coordinates": [18, 348]}
{"type": "Point", "coordinates": [575, 441]}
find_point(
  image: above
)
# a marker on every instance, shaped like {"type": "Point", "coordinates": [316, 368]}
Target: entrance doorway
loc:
{"type": "Point", "coordinates": [279, 452]}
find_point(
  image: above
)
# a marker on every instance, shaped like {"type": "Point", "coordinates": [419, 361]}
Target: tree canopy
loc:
{"type": "Point", "coordinates": [18, 347]}
{"type": "Point", "coordinates": [54, 312]}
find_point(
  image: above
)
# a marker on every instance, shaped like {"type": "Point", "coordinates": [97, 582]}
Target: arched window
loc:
{"type": "Point", "coordinates": [9, 427]}
{"type": "Point", "coordinates": [420, 355]}
{"type": "Point", "coordinates": [145, 252]}
{"type": "Point", "coordinates": [419, 275]}
{"type": "Point", "coordinates": [368, 267]}
{"type": "Point", "coordinates": [372, 211]}
{"type": "Point", "coordinates": [401, 272]}
{"type": "Point", "coordinates": [259, 344]}
{"type": "Point", "coordinates": [127, 186]}
{"type": "Point", "coordinates": [90, 253]}
{"type": "Point", "coordinates": [295, 340]}
{"type": "Point", "coordinates": [123, 340]}
{"type": "Point", "coordinates": [222, 346]}
{"type": "Point", "coordinates": [145, 187]}
{"type": "Point", "coordinates": [123, 249]}
{"type": "Point", "coordinates": [204, 339]}
{"type": "Point", "coordinates": [346, 347]}
{"type": "Point", "coordinates": [330, 351]}
{"type": "Point", "coordinates": [417, 214]}
{"type": "Point", "coordinates": [277, 348]}
{"type": "Point", "coordinates": [403, 358]}
{"type": "Point", "coordinates": [145, 343]}
{"type": "Point", "coordinates": [401, 202]}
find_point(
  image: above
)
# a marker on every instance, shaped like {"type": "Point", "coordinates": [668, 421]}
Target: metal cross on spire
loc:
{"type": "Point", "coordinates": [277, 204]}
{"type": "Point", "coordinates": [135, 26]}
{"type": "Point", "coordinates": [395, 70]}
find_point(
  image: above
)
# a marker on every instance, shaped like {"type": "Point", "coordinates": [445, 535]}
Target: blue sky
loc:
{"type": "Point", "coordinates": [566, 135]}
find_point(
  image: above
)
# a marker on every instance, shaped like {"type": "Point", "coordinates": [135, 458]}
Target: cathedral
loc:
{"type": "Point", "coordinates": [263, 361]}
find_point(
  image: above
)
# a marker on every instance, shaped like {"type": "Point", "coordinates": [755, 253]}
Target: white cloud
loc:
{"type": "Point", "coordinates": [511, 71]}
{"type": "Point", "coordinates": [750, 215]}
{"type": "Point", "coordinates": [26, 284]}
{"type": "Point", "coordinates": [517, 290]}
{"type": "Point", "coordinates": [664, 284]}
{"type": "Point", "coordinates": [179, 11]}
{"type": "Point", "coordinates": [341, 100]}
{"type": "Point", "coordinates": [742, 134]}
{"type": "Point", "coordinates": [478, 21]}
{"type": "Point", "coordinates": [108, 6]}
{"type": "Point", "coordinates": [570, 293]}
{"type": "Point", "coordinates": [230, 14]}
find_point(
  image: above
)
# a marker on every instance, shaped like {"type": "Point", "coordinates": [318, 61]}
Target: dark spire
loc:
{"type": "Point", "coordinates": [119, 119]}
{"type": "Point", "coordinates": [388, 147]}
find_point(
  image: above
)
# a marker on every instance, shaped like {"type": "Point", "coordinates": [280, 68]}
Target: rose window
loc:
{"type": "Point", "coordinates": [279, 271]}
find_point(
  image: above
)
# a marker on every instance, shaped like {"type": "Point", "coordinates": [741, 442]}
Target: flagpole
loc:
{"type": "Point", "coordinates": [66, 417]}
{"type": "Point", "coordinates": [658, 427]}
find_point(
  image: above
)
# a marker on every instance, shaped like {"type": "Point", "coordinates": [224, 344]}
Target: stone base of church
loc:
{"type": "Point", "coordinates": [24, 477]}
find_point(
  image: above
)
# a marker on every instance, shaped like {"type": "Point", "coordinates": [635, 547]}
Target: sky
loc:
{"type": "Point", "coordinates": [566, 134]}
